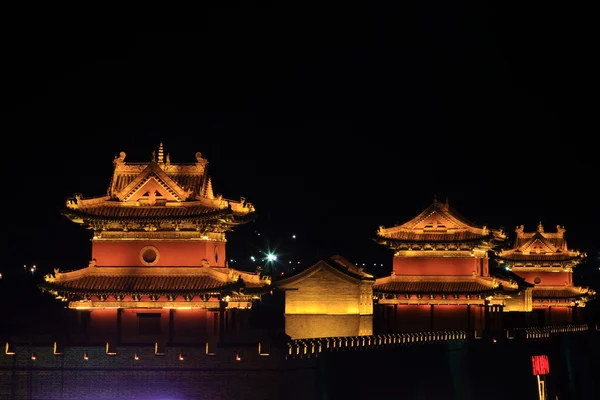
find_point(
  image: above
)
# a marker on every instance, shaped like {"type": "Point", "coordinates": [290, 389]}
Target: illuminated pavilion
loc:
{"type": "Point", "coordinates": [543, 259]}
{"type": "Point", "coordinates": [158, 271]}
{"type": "Point", "coordinates": [440, 278]}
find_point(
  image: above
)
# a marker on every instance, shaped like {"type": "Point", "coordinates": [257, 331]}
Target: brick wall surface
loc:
{"type": "Point", "coordinates": [464, 369]}
{"type": "Point", "coordinates": [121, 376]}
{"type": "Point", "coordinates": [315, 326]}
{"type": "Point", "coordinates": [324, 293]}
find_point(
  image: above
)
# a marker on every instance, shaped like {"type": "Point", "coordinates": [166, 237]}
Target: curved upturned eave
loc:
{"type": "Point", "coordinates": [245, 218]}
{"type": "Point", "coordinates": [81, 217]}
{"type": "Point", "coordinates": [387, 241]}
{"type": "Point", "coordinates": [458, 292]}
{"type": "Point", "coordinates": [526, 260]}
{"type": "Point", "coordinates": [62, 290]}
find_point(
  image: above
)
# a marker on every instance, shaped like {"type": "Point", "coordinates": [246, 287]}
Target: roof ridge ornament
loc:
{"type": "Point", "coordinates": [161, 153]}
{"type": "Point", "coordinates": [120, 159]}
{"type": "Point", "coordinates": [540, 227]}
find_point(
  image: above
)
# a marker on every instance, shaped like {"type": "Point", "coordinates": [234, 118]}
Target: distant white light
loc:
{"type": "Point", "coordinates": [271, 257]}
{"type": "Point", "coordinates": [293, 236]}
{"type": "Point", "coordinates": [252, 258]}
{"type": "Point", "coordinates": [290, 262]}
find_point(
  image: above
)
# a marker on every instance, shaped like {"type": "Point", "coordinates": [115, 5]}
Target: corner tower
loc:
{"type": "Point", "coordinates": [543, 259]}
{"type": "Point", "coordinates": [440, 278]}
{"type": "Point", "coordinates": [159, 201]}
{"type": "Point", "coordinates": [158, 268]}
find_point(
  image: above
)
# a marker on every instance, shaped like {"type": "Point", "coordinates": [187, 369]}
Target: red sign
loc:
{"type": "Point", "coordinates": [541, 366]}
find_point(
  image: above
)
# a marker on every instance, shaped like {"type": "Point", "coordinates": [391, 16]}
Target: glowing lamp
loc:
{"type": "Point", "coordinates": [271, 257]}
{"type": "Point", "coordinates": [541, 368]}
{"type": "Point", "coordinates": [540, 363]}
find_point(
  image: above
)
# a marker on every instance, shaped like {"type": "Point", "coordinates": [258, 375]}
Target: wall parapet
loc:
{"type": "Point", "coordinates": [243, 357]}
{"type": "Point", "coordinates": [315, 346]}
{"type": "Point", "coordinates": [140, 357]}
{"type": "Point", "coordinates": [545, 332]}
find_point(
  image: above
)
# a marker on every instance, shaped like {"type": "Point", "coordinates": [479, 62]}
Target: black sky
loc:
{"type": "Point", "coordinates": [331, 122]}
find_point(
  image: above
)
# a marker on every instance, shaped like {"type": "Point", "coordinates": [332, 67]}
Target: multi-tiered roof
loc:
{"type": "Point", "coordinates": [157, 203]}
{"type": "Point", "coordinates": [441, 233]}
{"type": "Point", "coordinates": [159, 196]}
{"type": "Point", "coordinates": [540, 254]}
{"type": "Point", "coordinates": [438, 227]}
{"type": "Point", "coordinates": [541, 249]}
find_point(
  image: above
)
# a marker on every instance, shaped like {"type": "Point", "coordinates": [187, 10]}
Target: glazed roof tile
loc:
{"type": "Point", "coordinates": [141, 284]}
{"type": "Point", "coordinates": [413, 284]}
{"type": "Point", "coordinates": [191, 181]}
{"type": "Point", "coordinates": [115, 210]}
{"type": "Point", "coordinates": [335, 262]}
{"type": "Point", "coordinates": [427, 287]}
{"type": "Point", "coordinates": [435, 237]}
{"type": "Point", "coordinates": [516, 256]}
{"type": "Point", "coordinates": [540, 292]}
{"type": "Point", "coordinates": [437, 223]}
{"type": "Point", "coordinates": [152, 280]}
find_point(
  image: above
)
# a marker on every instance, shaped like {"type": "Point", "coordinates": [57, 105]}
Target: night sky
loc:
{"type": "Point", "coordinates": [332, 123]}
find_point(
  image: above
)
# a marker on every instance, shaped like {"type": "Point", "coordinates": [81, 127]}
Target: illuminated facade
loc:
{"type": "Point", "coordinates": [544, 260]}
{"type": "Point", "coordinates": [158, 269]}
{"type": "Point", "coordinates": [331, 298]}
{"type": "Point", "coordinates": [440, 278]}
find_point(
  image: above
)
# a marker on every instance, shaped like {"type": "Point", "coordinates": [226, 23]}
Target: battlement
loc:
{"type": "Point", "coordinates": [546, 332]}
{"type": "Point", "coordinates": [286, 370]}
{"type": "Point", "coordinates": [109, 356]}
{"type": "Point", "coordinates": [261, 355]}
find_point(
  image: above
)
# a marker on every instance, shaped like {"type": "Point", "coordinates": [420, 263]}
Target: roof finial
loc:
{"type": "Point", "coordinates": [208, 193]}
{"type": "Point", "coordinates": [435, 198]}
{"type": "Point", "coordinates": [540, 227]}
{"type": "Point", "coordinates": [161, 153]}
{"type": "Point", "coordinates": [447, 202]}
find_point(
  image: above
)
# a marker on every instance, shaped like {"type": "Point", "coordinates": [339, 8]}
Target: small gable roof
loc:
{"type": "Point", "coordinates": [336, 263]}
